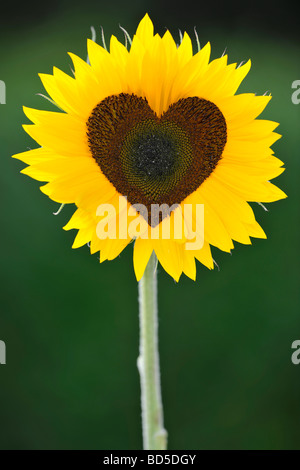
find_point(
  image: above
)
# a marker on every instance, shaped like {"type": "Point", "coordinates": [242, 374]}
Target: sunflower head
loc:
{"type": "Point", "coordinates": [153, 144]}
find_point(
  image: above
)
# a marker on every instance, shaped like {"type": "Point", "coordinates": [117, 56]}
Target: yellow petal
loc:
{"type": "Point", "coordinates": [169, 254]}
{"type": "Point", "coordinates": [144, 31]}
{"type": "Point", "coordinates": [141, 255]}
{"type": "Point", "coordinates": [204, 256]}
{"type": "Point", "coordinates": [80, 219]}
{"type": "Point", "coordinates": [83, 237]}
{"type": "Point", "coordinates": [36, 156]}
{"type": "Point", "coordinates": [189, 264]}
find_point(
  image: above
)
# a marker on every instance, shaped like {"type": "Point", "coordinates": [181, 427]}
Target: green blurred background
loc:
{"type": "Point", "coordinates": [71, 325]}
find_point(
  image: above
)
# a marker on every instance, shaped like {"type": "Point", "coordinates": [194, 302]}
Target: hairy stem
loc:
{"type": "Point", "coordinates": [154, 434]}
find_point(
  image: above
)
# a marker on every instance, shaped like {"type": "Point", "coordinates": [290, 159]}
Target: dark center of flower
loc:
{"type": "Point", "coordinates": [151, 159]}
{"type": "Point", "coordinates": [153, 154]}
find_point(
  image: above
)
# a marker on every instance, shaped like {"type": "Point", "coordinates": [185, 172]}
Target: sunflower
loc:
{"type": "Point", "coordinates": [151, 126]}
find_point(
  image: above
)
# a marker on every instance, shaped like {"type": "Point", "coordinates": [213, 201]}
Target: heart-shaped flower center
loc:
{"type": "Point", "coordinates": [151, 159]}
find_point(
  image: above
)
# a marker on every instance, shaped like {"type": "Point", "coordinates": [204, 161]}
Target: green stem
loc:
{"type": "Point", "coordinates": [154, 434]}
